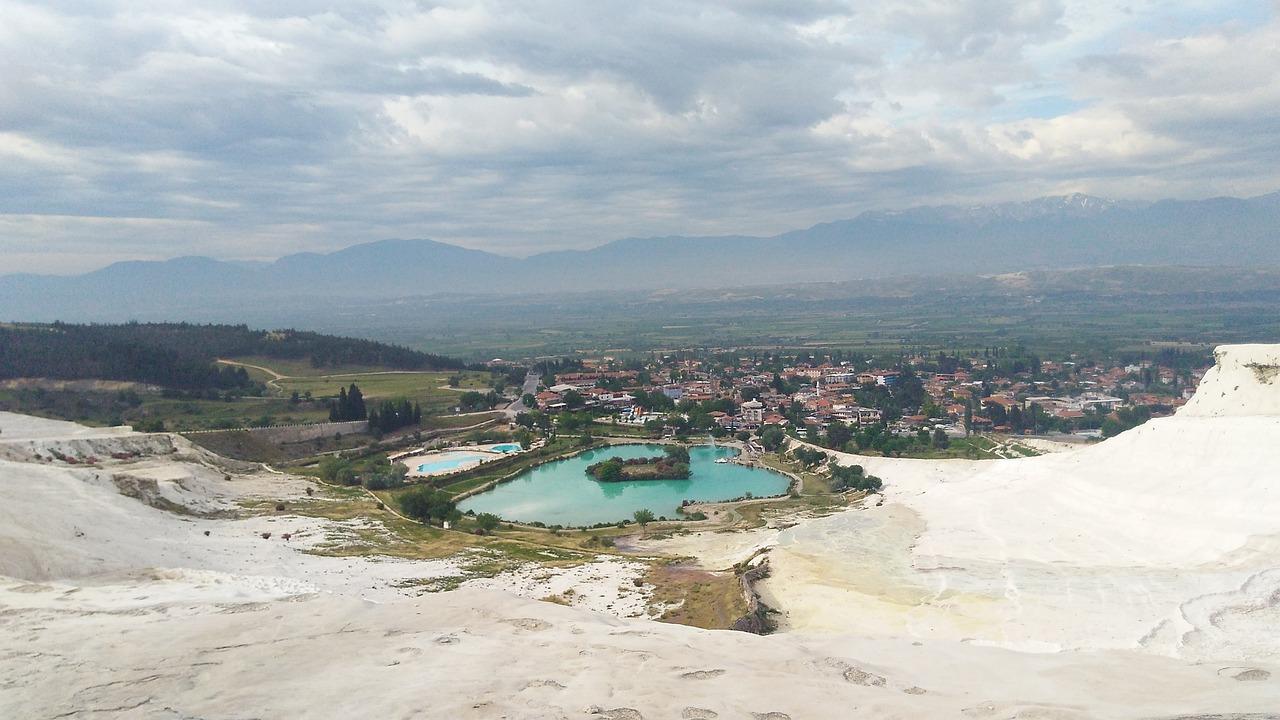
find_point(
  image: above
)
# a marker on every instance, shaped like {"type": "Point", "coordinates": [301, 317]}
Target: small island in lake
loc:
{"type": "Point", "coordinates": [672, 465]}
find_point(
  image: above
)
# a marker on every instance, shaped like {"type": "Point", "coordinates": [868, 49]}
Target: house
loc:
{"type": "Point", "coordinates": [1005, 402]}
{"type": "Point", "coordinates": [636, 415]}
{"type": "Point", "coordinates": [869, 416]}
{"type": "Point", "coordinates": [1101, 402]}
{"type": "Point", "coordinates": [751, 414]}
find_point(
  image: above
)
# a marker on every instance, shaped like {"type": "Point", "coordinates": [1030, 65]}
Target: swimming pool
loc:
{"type": "Point", "coordinates": [451, 461]}
{"type": "Point", "coordinates": [506, 447]}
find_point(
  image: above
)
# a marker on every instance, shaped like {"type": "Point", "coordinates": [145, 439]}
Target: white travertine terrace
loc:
{"type": "Point", "coordinates": [1244, 382]}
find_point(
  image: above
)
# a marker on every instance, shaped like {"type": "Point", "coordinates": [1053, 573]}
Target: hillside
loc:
{"type": "Point", "coordinates": [183, 356]}
{"type": "Point", "coordinates": [1048, 233]}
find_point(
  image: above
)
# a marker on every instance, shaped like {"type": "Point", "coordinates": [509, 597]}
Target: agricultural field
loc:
{"type": "Point", "coordinates": [1072, 311]}
{"type": "Point", "coordinates": [431, 389]}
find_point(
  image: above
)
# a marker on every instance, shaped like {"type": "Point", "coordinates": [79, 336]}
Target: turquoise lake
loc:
{"type": "Point", "coordinates": [561, 492]}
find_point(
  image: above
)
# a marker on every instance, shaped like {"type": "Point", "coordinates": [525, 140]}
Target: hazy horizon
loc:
{"type": "Point", "coordinates": [265, 260]}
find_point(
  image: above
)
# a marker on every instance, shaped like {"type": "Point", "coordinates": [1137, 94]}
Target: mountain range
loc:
{"type": "Point", "coordinates": [1047, 233]}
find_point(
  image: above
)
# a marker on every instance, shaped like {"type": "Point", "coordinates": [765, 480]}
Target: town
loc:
{"type": "Point", "coordinates": [845, 401]}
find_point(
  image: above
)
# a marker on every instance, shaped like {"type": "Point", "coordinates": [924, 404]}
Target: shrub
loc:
{"type": "Point", "coordinates": [427, 505]}
{"type": "Point", "coordinates": [487, 522]}
{"type": "Point", "coordinates": [338, 471]}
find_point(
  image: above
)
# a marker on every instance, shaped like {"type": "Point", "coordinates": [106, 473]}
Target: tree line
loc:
{"type": "Point", "coordinates": [103, 352]}
{"type": "Point", "coordinates": [395, 414]}
{"type": "Point", "coordinates": [183, 355]}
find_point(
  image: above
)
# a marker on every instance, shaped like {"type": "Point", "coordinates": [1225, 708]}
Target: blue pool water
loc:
{"type": "Point", "coordinates": [451, 461]}
{"type": "Point", "coordinates": [561, 492]}
{"type": "Point", "coordinates": [506, 447]}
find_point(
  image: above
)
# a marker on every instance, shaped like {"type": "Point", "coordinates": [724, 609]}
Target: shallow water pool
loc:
{"type": "Point", "coordinates": [561, 492]}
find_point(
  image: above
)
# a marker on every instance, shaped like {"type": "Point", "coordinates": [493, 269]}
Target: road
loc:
{"type": "Point", "coordinates": [530, 388]}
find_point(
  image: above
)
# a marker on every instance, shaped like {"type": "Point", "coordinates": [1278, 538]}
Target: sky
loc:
{"type": "Point", "coordinates": [251, 130]}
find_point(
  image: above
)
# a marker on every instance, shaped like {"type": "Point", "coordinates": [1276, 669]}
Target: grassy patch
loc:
{"type": "Point", "coordinates": [393, 536]}
{"type": "Point", "coordinates": [757, 515]}
{"type": "Point", "coordinates": [428, 388]}
{"type": "Point", "coordinates": [612, 430]}
{"type": "Point", "coordinates": [690, 596]}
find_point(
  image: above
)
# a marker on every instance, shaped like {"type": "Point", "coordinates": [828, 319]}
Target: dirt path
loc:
{"type": "Point", "coordinates": [277, 376]}
{"type": "Point", "coordinates": [274, 375]}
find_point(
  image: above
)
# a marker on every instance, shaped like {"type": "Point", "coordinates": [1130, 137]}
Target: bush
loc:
{"type": "Point", "coordinates": [487, 522]}
{"type": "Point", "coordinates": [386, 477]}
{"type": "Point", "coordinates": [853, 476]}
{"type": "Point", "coordinates": [337, 471]}
{"type": "Point", "coordinates": [149, 425]}
{"type": "Point", "coordinates": [427, 505]}
{"type": "Point", "coordinates": [810, 457]}
{"type": "Point", "coordinates": [772, 437]}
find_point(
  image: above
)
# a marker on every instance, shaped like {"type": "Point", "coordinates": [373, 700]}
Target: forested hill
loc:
{"type": "Point", "coordinates": [181, 355]}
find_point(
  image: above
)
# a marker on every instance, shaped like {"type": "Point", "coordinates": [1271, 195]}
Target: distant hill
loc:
{"type": "Point", "coordinates": [181, 355]}
{"type": "Point", "coordinates": [1044, 234]}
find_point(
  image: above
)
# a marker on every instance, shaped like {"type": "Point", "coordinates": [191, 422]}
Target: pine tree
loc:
{"type": "Point", "coordinates": [340, 409]}
{"type": "Point", "coordinates": [356, 399]}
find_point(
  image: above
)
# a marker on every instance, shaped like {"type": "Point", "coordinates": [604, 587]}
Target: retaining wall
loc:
{"type": "Point", "coordinates": [300, 432]}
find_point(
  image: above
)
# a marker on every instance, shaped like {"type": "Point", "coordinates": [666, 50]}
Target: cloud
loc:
{"type": "Point", "coordinates": [240, 129]}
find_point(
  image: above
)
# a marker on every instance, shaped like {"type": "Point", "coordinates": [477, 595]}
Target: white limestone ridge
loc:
{"type": "Point", "coordinates": [1163, 539]}
{"type": "Point", "coordinates": [1245, 381]}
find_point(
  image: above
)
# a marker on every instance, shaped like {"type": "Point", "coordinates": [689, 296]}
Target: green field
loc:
{"type": "Point", "coordinates": [429, 388]}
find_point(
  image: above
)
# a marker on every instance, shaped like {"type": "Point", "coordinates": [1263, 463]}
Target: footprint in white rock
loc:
{"type": "Point", "coordinates": [702, 674]}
